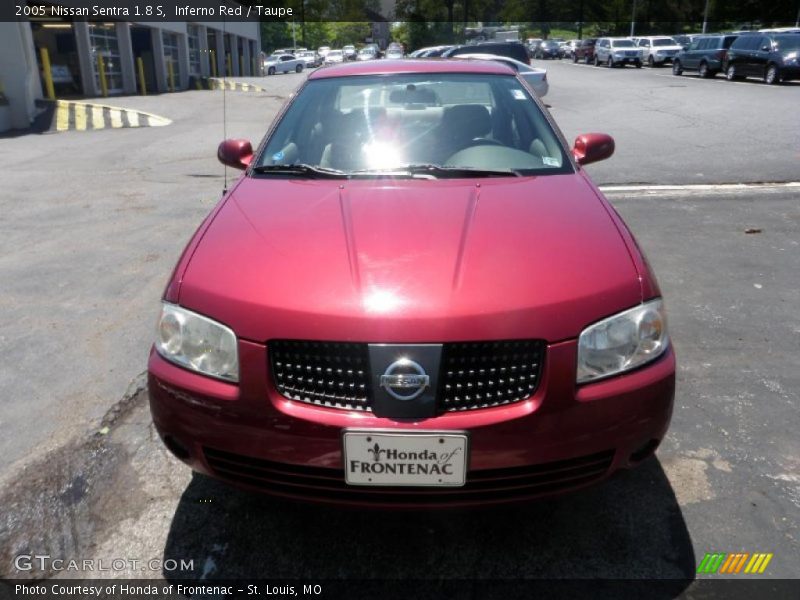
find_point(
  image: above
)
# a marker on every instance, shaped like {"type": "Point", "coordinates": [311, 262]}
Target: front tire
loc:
{"type": "Point", "coordinates": [586, 59]}
{"type": "Point", "coordinates": [271, 71]}
{"type": "Point", "coordinates": [638, 64]}
{"type": "Point", "coordinates": [772, 76]}
{"type": "Point", "coordinates": [298, 69]}
{"type": "Point", "coordinates": [676, 68]}
{"type": "Point", "coordinates": [574, 59]}
{"type": "Point", "coordinates": [610, 63]}
{"type": "Point", "coordinates": [596, 61]}
{"type": "Point", "coordinates": [730, 73]}
{"type": "Point", "coordinates": [702, 70]}
{"type": "Point", "coordinates": [650, 62]}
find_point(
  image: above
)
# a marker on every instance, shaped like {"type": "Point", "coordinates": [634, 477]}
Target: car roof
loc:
{"type": "Point", "coordinates": [410, 65]}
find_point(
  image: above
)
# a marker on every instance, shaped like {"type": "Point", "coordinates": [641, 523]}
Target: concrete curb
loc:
{"type": "Point", "coordinates": [68, 115]}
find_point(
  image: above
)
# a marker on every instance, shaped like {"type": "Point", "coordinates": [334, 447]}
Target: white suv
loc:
{"type": "Point", "coordinates": [658, 51]}
{"type": "Point", "coordinates": [616, 51]}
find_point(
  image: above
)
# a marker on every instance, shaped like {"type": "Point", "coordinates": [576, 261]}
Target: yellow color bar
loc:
{"type": "Point", "coordinates": [764, 564]}
{"type": "Point", "coordinates": [171, 71]}
{"type": "Point", "coordinates": [48, 74]}
{"type": "Point", "coordinates": [142, 82]}
{"type": "Point", "coordinates": [101, 71]}
{"type": "Point", "coordinates": [213, 63]}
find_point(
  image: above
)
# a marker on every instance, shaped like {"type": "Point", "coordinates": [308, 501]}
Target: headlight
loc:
{"type": "Point", "coordinates": [197, 343]}
{"type": "Point", "coordinates": [622, 342]}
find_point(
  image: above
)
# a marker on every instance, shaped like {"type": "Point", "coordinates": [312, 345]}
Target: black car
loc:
{"type": "Point", "coordinates": [548, 49]}
{"type": "Point", "coordinates": [515, 50]}
{"type": "Point", "coordinates": [705, 54]}
{"type": "Point", "coordinates": [773, 57]}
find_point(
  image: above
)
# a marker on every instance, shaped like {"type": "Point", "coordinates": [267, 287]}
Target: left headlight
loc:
{"type": "Point", "coordinates": [197, 343]}
{"type": "Point", "coordinates": [622, 342]}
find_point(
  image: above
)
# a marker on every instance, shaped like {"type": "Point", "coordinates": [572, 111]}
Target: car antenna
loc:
{"type": "Point", "coordinates": [224, 106]}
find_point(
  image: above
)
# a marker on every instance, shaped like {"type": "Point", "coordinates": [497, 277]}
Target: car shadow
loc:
{"type": "Point", "coordinates": [629, 527]}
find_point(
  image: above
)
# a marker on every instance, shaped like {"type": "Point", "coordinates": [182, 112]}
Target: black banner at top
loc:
{"type": "Point", "coordinates": [731, 14]}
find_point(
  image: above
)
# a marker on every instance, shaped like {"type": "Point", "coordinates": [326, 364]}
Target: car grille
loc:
{"type": "Point", "coordinates": [473, 375]}
{"type": "Point", "coordinates": [325, 373]}
{"type": "Point", "coordinates": [482, 486]}
{"type": "Point", "coordinates": [485, 374]}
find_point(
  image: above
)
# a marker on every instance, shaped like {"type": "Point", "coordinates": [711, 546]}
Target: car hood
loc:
{"type": "Point", "coordinates": [411, 260]}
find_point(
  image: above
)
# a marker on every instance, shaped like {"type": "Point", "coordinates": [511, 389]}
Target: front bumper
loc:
{"type": "Point", "coordinates": [560, 439]}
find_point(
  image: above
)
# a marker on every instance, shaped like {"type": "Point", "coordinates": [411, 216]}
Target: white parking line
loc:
{"type": "Point", "coordinates": [699, 187]}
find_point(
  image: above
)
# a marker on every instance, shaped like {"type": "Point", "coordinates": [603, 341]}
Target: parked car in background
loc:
{"type": "Point", "coordinates": [368, 53]}
{"type": "Point", "coordinates": [515, 50]}
{"type": "Point", "coordinates": [349, 52]}
{"type": "Point", "coordinates": [705, 54]}
{"type": "Point", "coordinates": [413, 308]}
{"type": "Point", "coordinates": [685, 39]}
{"type": "Point", "coordinates": [569, 48]}
{"type": "Point", "coordinates": [548, 50]}
{"type": "Point", "coordinates": [584, 50]}
{"type": "Point", "coordinates": [773, 57]}
{"type": "Point", "coordinates": [533, 45]}
{"type": "Point", "coordinates": [394, 51]}
{"type": "Point", "coordinates": [310, 58]}
{"type": "Point", "coordinates": [283, 63]}
{"type": "Point", "coordinates": [323, 51]}
{"type": "Point", "coordinates": [334, 57]}
{"type": "Point", "coordinates": [657, 51]}
{"type": "Point", "coordinates": [536, 78]}
{"type": "Point", "coordinates": [614, 52]}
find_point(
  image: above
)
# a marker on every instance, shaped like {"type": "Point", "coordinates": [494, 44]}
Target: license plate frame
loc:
{"type": "Point", "coordinates": [408, 458]}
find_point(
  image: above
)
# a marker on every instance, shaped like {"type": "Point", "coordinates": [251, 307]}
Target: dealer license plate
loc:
{"type": "Point", "coordinates": [405, 459]}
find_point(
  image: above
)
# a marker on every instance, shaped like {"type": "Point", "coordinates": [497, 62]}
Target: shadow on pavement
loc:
{"type": "Point", "coordinates": [630, 527]}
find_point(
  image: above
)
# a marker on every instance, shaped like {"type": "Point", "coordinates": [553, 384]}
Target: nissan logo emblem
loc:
{"type": "Point", "coordinates": [407, 384]}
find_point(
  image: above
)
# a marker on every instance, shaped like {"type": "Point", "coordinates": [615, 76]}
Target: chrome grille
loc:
{"type": "Point", "coordinates": [485, 374]}
{"type": "Point", "coordinates": [472, 375]}
{"type": "Point", "coordinates": [334, 374]}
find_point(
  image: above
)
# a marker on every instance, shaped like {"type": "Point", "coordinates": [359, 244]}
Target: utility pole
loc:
{"type": "Point", "coordinates": [633, 18]}
{"type": "Point", "coordinates": [705, 16]}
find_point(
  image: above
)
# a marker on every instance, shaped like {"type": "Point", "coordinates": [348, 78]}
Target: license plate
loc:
{"type": "Point", "coordinates": [405, 458]}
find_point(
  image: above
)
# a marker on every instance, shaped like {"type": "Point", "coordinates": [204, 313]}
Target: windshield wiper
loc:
{"type": "Point", "coordinates": [440, 171]}
{"type": "Point", "coordinates": [309, 171]}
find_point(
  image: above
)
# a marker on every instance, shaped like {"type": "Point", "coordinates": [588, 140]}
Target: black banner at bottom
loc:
{"type": "Point", "coordinates": [387, 589]}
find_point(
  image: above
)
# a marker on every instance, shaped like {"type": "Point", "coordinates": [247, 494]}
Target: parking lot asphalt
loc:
{"type": "Point", "coordinates": [93, 222]}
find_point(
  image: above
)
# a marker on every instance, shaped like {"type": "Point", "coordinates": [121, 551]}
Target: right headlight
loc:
{"type": "Point", "coordinates": [197, 343]}
{"type": "Point", "coordinates": [622, 342]}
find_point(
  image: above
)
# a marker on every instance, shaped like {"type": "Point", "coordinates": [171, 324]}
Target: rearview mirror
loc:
{"type": "Point", "coordinates": [235, 153]}
{"type": "Point", "coordinates": [592, 147]}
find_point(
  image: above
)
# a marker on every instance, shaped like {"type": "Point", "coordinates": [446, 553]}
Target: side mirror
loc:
{"type": "Point", "coordinates": [235, 153]}
{"type": "Point", "coordinates": [592, 147]}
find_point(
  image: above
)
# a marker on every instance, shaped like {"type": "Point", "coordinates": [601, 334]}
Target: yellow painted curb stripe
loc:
{"type": "Point", "coordinates": [97, 117]}
{"type": "Point", "coordinates": [80, 117]}
{"type": "Point", "coordinates": [116, 118]}
{"type": "Point", "coordinates": [62, 116]}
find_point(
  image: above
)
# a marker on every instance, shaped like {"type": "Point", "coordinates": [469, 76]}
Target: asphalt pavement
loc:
{"type": "Point", "coordinates": [91, 224]}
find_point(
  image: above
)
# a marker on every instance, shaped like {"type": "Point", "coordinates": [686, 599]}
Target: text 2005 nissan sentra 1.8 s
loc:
{"type": "Point", "coordinates": [414, 296]}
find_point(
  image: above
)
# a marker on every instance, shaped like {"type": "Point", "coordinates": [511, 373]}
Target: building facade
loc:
{"type": "Point", "coordinates": [91, 59]}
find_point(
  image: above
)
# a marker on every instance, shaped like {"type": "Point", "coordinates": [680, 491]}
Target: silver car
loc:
{"type": "Point", "coordinates": [613, 52]}
{"type": "Point", "coordinates": [657, 51]}
{"type": "Point", "coordinates": [283, 63]}
{"type": "Point", "coordinates": [536, 78]}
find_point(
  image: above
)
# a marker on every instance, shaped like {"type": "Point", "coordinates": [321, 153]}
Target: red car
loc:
{"type": "Point", "coordinates": [413, 296]}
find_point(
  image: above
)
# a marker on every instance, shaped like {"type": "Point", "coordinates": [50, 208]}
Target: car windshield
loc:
{"type": "Point", "coordinates": [664, 42]}
{"type": "Point", "coordinates": [787, 43]}
{"type": "Point", "coordinates": [622, 43]}
{"type": "Point", "coordinates": [334, 53]}
{"type": "Point", "coordinates": [446, 122]}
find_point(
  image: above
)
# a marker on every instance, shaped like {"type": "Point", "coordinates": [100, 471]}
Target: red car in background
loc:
{"type": "Point", "coordinates": [584, 50]}
{"type": "Point", "coordinates": [413, 296]}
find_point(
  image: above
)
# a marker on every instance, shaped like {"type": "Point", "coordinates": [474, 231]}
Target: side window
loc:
{"type": "Point", "coordinates": [764, 42]}
{"type": "Point", "coordinates": [704, 44]}
{"type": "Point", "coordinates": [726, 43]}
{"type": "Point", "coordinates": [645, 43]}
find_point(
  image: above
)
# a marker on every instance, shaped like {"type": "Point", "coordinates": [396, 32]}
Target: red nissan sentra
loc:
{"type": "Point", "coordinates": [413, 296]}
